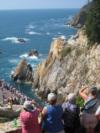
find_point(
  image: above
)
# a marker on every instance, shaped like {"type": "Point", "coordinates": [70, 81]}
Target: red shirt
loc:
{"type": "Point", "coordinates": [29, 122]}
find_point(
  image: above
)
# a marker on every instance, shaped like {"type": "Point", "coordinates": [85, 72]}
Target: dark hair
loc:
{"type": "Point", "coordinates": [93, 90]}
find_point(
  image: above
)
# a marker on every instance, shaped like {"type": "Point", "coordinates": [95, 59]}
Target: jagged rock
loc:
{"type": "Point", "coordinates": [66, 71]}
{"type": "Point", "coordinates": [33, 53]}
{"type": "Point", "coordinates": [21, 40]}
{"type": "Point", "coordinates": [79, 20]}
{"type": "Point", "coordinates": [44, 67]}
{"type": "Point", "coordinates": [9, 113]}
{"type": "Point", "coordinates": [23, 72]}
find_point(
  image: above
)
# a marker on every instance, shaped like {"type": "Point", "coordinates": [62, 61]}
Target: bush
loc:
{"type": "Point", "coordinates": [79, 101]}
{"type": "Point", "coordinates": [93, 23]}
{"type": "Point", "coordinates": [65, 51]}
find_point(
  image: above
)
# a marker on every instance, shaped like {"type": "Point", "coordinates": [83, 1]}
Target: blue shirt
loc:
{"type": "Point", "coordinates": [53, 119]}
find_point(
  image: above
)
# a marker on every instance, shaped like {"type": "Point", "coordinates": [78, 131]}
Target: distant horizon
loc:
{"type": "Point", "coordinates": [40, 9]}
{"type": "Point", "coordinates": [38, 4]}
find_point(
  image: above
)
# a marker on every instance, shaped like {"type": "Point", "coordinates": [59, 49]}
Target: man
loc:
{"type": "Point", "coordinates": [88, 119]}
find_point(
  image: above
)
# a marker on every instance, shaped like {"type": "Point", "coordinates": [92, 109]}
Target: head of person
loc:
{"type": "Point", "coordinates": [52, 98]}
{"type": "Point", "coordinates": [27, 106]}
{"type": "Point", "coordinates": [71, 97]}
{"type": "Point", "coordinates": [93, 91]}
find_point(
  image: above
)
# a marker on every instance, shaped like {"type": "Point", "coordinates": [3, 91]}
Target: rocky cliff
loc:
{"type": "Point", "coordinates": [79, 19]}
{"type": "Point", "coordinates": [69, 65]}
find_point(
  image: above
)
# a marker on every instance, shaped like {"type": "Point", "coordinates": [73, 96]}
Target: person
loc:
{"type": "Point", "coordinates": [71, 114]}
{"type": "Point", "coordinates": [97, 114]}
{"type": "Point", "coordinates": [29, 119]}
{"type": "Point", "coordinates": [52, 116]}
{"type": "Point", "coordinates": [88, 118]}
{"type": "Point", "coordinates": [10, 103]}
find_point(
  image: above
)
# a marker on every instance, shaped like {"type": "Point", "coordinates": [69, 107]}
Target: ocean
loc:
{"type": "Point", "coordinates": [37, 28]}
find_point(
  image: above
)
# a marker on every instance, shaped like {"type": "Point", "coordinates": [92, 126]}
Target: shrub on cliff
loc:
{"type": "Point", "coordinates": [66, 51]}
{"type": "Point", "coordinates": [93, 23]}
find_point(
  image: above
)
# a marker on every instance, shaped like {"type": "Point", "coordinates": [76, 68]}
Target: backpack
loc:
{"type": "Point", "coordinates": [71, 118]}
{"type": "Point", "coordinates": [90, 106]}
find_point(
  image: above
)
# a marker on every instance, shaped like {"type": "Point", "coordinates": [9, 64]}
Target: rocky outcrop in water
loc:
{"type": "Point", "coordinates": [79, 20]}
{"type": "Point", "coordinates": [33, 52]}
{"type": "Point", "coordinates": [69, 65]}
{"type": "Point", "coordinates": [23, 72]}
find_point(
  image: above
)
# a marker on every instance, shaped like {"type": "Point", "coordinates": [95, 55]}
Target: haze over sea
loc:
{"type": "Point", "coordinates": [37, 28]}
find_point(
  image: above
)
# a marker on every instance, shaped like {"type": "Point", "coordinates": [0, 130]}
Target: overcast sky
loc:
{"type": "Point", "coordinates": [38, 4]}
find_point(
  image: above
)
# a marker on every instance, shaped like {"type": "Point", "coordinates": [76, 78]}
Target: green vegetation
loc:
{"type": "Point", "coordinates": [79, 101]}
{"type": "Point", "coordinates": [93, 23]}
{"type": "Point", "coordinates": [66, 51]}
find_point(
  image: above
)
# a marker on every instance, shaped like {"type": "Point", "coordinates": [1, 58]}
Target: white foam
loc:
{"type": "Point", "coordinates": [13, 61]}
{"type": "Point", "coordinates": [62, 37]}
{"type": "Point", "coordinates": [33, 57]}
{"type": "Point", "coordinates": [23, 56]}
{"type": "Point", "coordinates": [15, 39]}
{"type": "Point", "coordinates": [28, 57]}
{"type": "Point", "coordinates": [33, 33]}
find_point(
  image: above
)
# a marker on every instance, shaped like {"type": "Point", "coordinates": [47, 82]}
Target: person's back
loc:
{"type": "Point", "coordinates": [53, 118]}
{"type": "Point", "coordinates": [71, 115]}
{"type": "Point", "coordinates": [29, 121]}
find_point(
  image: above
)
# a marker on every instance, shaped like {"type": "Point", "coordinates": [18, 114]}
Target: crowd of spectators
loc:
{"type": "Point", "coordinates": [11, 95]}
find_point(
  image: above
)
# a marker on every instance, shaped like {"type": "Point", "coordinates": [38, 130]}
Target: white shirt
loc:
{"type": "Point", "coordinates": [98, 111]}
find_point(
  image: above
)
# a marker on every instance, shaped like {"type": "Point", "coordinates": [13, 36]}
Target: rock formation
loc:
{"type": "Point", "coordinates": [33, 52]}
{"type": "Point", "coordinates": [23, 72]}
{"type": "Point", "coordinates": [69, 65]}
{"type": "Point", "coordinates": [79, 20]}
{"type": "Point", "coordinates": [10, 114]}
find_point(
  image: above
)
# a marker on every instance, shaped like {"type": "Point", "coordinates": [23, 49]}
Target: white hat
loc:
{"type": "Point", "coordinates": [71, 97]}
{"type": "Point", "coordinates": [51, 96]}
{"type": "Point", "coordinates": [28, 106]}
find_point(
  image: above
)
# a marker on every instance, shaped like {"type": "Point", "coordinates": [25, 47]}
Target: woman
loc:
{"type": "Point", "coordinates": [29, 119]}
{"type": "Point", "coordinates": [52, 116]}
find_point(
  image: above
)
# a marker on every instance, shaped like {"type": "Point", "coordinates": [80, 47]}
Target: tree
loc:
{"type": "Point", "coordinates": [93, 23]}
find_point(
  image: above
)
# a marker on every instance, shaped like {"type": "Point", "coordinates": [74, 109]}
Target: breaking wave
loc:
{"type": "Point", "coordinates": [26, 56]}
{"type": "Point", "coordinates": [15, 39]}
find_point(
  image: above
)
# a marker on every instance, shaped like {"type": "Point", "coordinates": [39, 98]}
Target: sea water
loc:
{"type": "Point", "coordinates": [37, 28]}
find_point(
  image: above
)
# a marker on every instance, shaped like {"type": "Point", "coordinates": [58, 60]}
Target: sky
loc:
{"type": "Point", "coordinates": [40, 4]}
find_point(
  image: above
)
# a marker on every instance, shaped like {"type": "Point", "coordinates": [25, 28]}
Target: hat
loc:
{"type": "Point", "coordinates": [51, 97]}
{"type": "Point", "coordinates": [71, 97]}
{"type": "Point", "coordinates": [28, 106]}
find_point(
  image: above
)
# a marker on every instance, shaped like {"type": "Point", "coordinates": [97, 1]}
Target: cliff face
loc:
{"type": "Point", "coordinates": [69, 65]}
{"type": "Point", "coordinates": [79, 20]}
